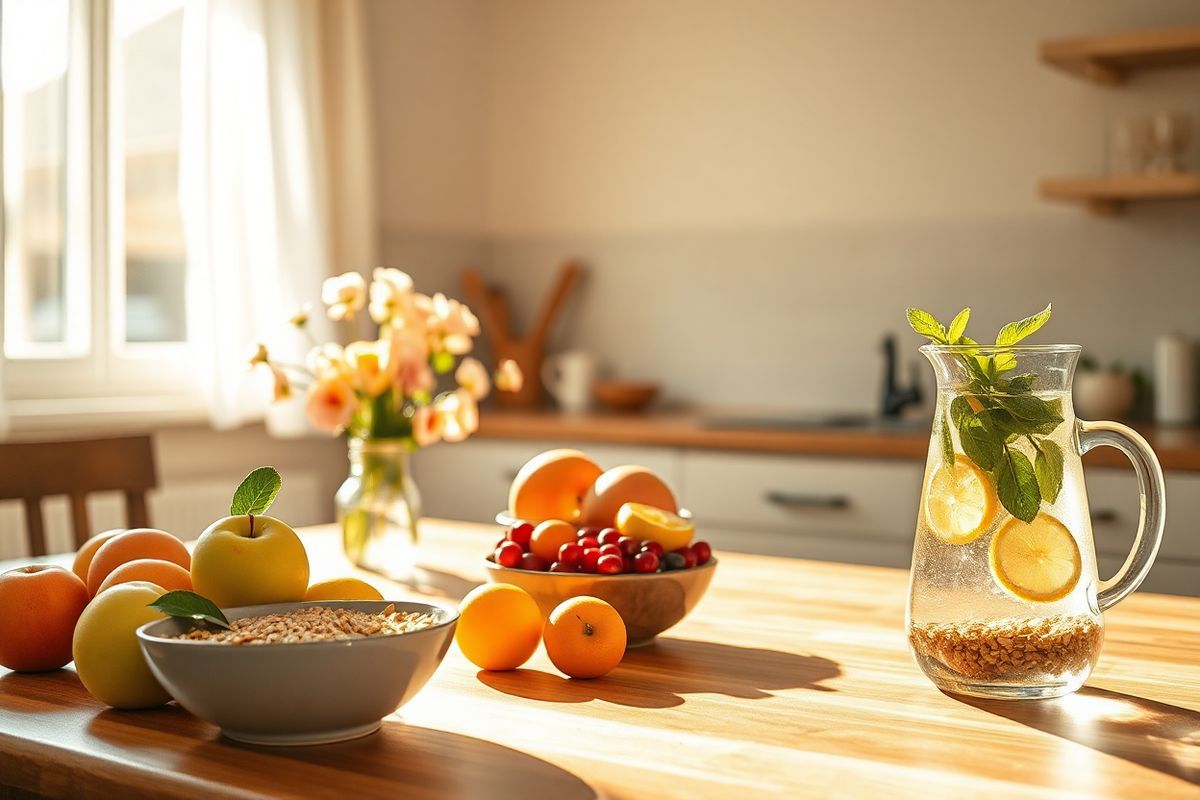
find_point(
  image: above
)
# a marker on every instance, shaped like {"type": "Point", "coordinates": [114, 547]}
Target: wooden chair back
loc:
{"type": "Point", "coordinates": [30, 471]}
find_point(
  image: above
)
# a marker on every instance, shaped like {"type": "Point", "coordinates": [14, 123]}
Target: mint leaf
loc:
{"type": "Point", "coordinates": [981, 444]}
{"type": "Point", "coordinates": [256, 492]}
{"type": "Point", "coordinates": [960, 409]}
{"type": "Point", "coordinates": [924, 323]}
{"type": "Point", "coordinates": [1017, 485]}
{"type": "Point", "coordinates": [1014, 332]}
{"type": "Point", "coordinates": [958, 325]}
{"type": "Point", "coordinates": [947, 442]}
{"type": "Point", "coordinates": [1017, 384]}
{"type": "Point", "coordinates": [1030, 409]}
{"type": "Point", "coordinates": [189, 605]}
{"type": "Point", "coordinates": [1048, 466]}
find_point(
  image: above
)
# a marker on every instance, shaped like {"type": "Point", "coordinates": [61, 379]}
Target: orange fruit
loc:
{"type": "Point", "coordinates": [499, 626]}
{"type": "Point", "coordinates": [83, 558]}
{"type": "Point", "coordinates": [342, 589]}
{"type": "Point", "coordinates": [132, 545]}
{"type": "Point", "coordinates": [39, 606]}
{"type": "Point", "coordinates": [620, 485]}
{"type": "Point", "coordinates": [549, 536]}
{"type": "Point", "coordinates": [585, 637]}
{"type": "Point", "coordinates": [551, 485]}
{"type": "Point", "coordinates": [166, 574]}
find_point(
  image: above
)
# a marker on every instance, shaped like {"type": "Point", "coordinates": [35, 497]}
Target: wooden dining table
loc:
{"type": "Point", "coordinates": [790, 679]}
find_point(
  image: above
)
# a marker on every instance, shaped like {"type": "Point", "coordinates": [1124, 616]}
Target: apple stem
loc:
{"type": "Point", "coordinates": [251, 516]}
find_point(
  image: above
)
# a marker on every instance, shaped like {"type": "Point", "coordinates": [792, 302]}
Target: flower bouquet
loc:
{"type": "Point", "coordinates": [412, 386]}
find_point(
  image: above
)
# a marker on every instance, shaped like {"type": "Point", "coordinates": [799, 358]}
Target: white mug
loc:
{"type": "Point", "coordinates": [569, 377]}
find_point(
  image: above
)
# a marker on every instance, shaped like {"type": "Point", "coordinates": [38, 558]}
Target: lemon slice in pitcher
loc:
{"type": "Point", "coordinates": [960, 503]}
{"type": "Point", "coordinates": [1037, 561]}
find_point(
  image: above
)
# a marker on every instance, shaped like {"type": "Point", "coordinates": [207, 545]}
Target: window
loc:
{"type": "Point", "coordinates": [94, 260]}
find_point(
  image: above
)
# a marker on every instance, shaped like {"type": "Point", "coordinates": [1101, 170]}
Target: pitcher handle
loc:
{"type": "Point", "coordinates": [1153, 517]}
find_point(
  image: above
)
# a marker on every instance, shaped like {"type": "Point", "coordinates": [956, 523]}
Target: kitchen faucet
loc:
{"type": "Point", "coordinates": [895, 399]}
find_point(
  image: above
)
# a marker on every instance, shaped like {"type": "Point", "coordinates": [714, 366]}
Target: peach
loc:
{"type": "Point", "coordinates": [83, 559]}
{"type": "Point", "coordinates": [132, 545]}
{"type": "Point", "coordinates": [621, 485]}
{"type": "Point", "coordinates": [166, 574]}
{"type": "Point", "coordinates": [39, 606]}
{"type": "Point", "coordinates": [551, 486]}
{"type": "Point", "coordinates": [108, 658]}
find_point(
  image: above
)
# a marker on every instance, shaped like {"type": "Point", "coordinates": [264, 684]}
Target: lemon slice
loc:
{"type": "Point", "coordinates": [960, 503]}
{"type": "Point", "coordinates": [1037, 561]}
{"type": "Point", "coordinates": [647, 522]}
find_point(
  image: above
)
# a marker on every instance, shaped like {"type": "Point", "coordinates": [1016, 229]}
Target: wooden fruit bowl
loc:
{"type": "Point", "coordinates": [625, 396]}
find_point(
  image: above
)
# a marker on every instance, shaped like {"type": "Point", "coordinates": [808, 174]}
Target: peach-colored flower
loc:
{"type": "Point", "coordinates": [328, 359]}
{"type": "Point", "coordinates": [451, 324]}
{"type": "Point", "coordinates": [459, 413]}
{"type": "Point", "coordinates": [409, 362]}
{"type": "Point", "coordinates": [331, 403]}
{"type": "Point", "coordinates": [344, 295]}
{"type": "Point", "coordinates": [473, 376]}
{"type": "Point", "coordinates": [391, 295]}
{"type": "Point", "coordinates": [509, 377]}
{"type": "Point", "coordinates": [368, 362]}
{"type": "Point", "coordinates": [426, 426]}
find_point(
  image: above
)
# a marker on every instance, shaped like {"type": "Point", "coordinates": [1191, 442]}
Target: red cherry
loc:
{"type": "Point", "coordinates": [689, 557]}
{"type": "Point", "coordinates": [559, 566]}
{"type": "Point", "coordinates": [610, 564]}
{"type": "Point", "coordinates": [534, 563]}
{"type": "Point", "coordinates": [570, 554]}
{"type": "Point", "coordinates": [611, 550]}
{"type": "Point", "coordinates": [628, 563]}
{"type": "Point", "coordinates": [629, 546]}
{"type": "Point", "coordinates": [589, 541]}
{"type": "Point", "coordinates": [592, 532]}
{"type": "Point", "coordinates": [645, 561]}
{"type": "Point", "coordinates": [508, 554]}
{"type": "Point", "coordinates": [651, 546]}
{"type": "Point", "coordinates": [609, 536]}
{"type": "Point", "coordinates": [520, 533]}
{"type": "Point", "coordinates": [590, 556]}
{"type": "Point", "coordinates": [703, 552]}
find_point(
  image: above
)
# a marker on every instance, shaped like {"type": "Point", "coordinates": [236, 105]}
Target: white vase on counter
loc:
{"type": "Point", "coordinates": [1103, 394]}
{"type": "Point", "coordinates": [1175, 380]}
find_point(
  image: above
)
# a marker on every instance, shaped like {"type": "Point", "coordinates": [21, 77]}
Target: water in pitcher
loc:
{"type": "Point", "coordinates": [986, 617]}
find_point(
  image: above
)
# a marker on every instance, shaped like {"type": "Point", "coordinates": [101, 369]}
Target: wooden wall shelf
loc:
{"type": "Point", "coordinates": [1110, 59]}
{"type": "Point", "coordinates": [1107, 195]}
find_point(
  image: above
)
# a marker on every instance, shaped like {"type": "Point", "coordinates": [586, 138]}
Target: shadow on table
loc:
{"type": "Point", "coordinates": [660, 674]}
{"type": "Point", "coordinates": [1155, 735]}
{"type": "Point", "coordinates": [426, 761]}
{"type": "Point", "coordinates": [438, 583]}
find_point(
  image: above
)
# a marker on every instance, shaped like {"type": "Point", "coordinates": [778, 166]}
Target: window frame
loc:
{"type": "Point", "coordinates": [111, 379]}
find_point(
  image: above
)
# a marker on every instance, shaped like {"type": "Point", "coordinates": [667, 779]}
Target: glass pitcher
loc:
{"type": "Point", "coordinates": [1004, 598]}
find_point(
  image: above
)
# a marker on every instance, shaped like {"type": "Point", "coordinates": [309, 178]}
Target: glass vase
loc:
{"type": "Point", "coordinates": [378, 508]}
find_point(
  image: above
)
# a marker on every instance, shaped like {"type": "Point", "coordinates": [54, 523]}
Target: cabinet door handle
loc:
{"type": "Point", "coordinates": [1105, 516]}
{"type": "Point", "coordinates": [789, 499]}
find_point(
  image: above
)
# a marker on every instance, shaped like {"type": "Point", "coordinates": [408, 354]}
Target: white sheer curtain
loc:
{"type": "Point", "coordinates": [272, 185]}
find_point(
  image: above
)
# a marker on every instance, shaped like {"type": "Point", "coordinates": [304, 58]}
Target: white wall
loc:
{"type": "Point", "coordinates": [760, 187]}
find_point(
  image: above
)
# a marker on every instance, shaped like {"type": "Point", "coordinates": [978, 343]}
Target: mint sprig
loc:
{"type": "Point", "coordinates": [189, 605]}
{"type": "Point", "coordinates": [993, 411]}
{"type": "Point", "coordinates": [255, 494]}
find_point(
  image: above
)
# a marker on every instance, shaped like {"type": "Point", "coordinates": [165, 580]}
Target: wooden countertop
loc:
{"type": "Point", "coordinates": [1177, 448]}
{"type": "Point", "coordinates": [790, 679]}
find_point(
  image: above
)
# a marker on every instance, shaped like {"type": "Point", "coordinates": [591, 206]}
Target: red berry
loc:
{"type": "Point", "coordinates": [645, 561]}
{"type": "Point", "coordinates": [534, 563]}
{"type": "Point", "coordinates": [508, 554]}
{"type": "Point", "coordinates": [520, 534]}
{"type": "Point", "coordinates": [689, 557]}
{"type": "Point", "coordinates": [629, 546]}
{"type": "Point", "coordinates": [589, 541]}
{"type": "Point", "coordinates": [501, 541]}
{"type": "Point", "coordinates": [610, 564]}
{"type": "Point", "coordinates": [703, 552]}
{"type": "Point", "coordinates": [592, 532]}
{"type": "Point", "coordinates": [590, 556]}
{"type": "Point", "coordinates": [559, 566]}
{"type": "Point", "coordinates": [570, 554]}
{"type": "Point", "coordinates": [611, 550]}
{"type": "Point", "coordinates": [609, 536]}
{"type": "Point", "coordinates": [673, 561]}
{"type": "Point", "coordinates": [628, 563]}
{"type": "Point", "coordinates": [651, 546]}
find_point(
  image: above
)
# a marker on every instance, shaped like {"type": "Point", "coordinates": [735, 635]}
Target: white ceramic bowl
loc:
{"type": "Point", "coordinates": [298, 693]}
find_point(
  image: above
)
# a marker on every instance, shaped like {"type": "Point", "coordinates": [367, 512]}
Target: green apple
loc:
{"type": "Point", "coordinates": [247, 560]}
{"type": "Point", "coordinates": [106, 651]}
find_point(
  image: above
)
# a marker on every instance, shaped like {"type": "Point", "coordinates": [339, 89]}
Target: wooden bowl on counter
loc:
{"type": "Point", "coordinates": [625, 397]}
